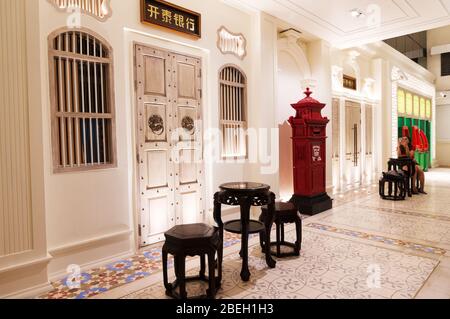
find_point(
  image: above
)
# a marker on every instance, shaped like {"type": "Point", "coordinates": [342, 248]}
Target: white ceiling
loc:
{"type": "Point", "coordinates": [331, 19]}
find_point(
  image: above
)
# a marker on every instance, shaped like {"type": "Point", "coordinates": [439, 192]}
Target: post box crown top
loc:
{"type": "Point", "coordinates": [308, 109]}
{"type": "Point", "coordinates": [307, 101]}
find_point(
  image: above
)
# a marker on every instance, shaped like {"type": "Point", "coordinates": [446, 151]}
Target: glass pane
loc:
{"type": "Point", "coordinates": [401, 102]}
{"type": "Point", "coordinates": [409, 103]}
{"type": "Point", "coordinates": [428, 109]}
{"type": "Point", "coordinates": [422, 107]}
{"type": "Point", "coordinates": [416, 106]}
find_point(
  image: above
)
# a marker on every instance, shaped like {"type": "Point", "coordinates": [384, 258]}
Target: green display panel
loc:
{"type": "Point", "coordinates": [415, 110]}
{"type": "Point", "coordinates": [424, 159]}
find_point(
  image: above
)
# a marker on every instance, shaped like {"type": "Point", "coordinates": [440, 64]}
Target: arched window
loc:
{"type": "Point", "coordinates": [233, 111]}
{"type": "Point", "coordinates": [82, 100]}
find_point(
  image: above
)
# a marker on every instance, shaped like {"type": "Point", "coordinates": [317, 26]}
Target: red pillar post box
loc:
{"type": "Point", "coordinates": [309, 144]}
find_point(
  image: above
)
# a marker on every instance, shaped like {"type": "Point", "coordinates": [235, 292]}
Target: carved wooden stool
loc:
{"type": "Point", "coordinates": [397, 187]}
{"type": "Point", "coordinates": [285, 213]}
{"type": "Point", "coordinates": [193, 240]}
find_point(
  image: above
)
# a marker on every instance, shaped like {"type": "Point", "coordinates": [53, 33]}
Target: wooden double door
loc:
{"type": "Point", "coordinates": [169, 141]}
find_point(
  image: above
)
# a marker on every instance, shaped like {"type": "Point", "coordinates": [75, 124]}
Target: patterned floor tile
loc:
{"type": "Point", "coordinates": [329, 268]}
{"type": "Point", "coordinates": [380, 239]}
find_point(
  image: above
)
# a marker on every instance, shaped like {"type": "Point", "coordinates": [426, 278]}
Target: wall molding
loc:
{"type": "Point", "coordinates": [56, 276]}
{"type": "Point", "coordinates": [31, 263]}
{"type": "Point", "coordinates": [289, 42]}
{"type": "Point", "coordinates": [30, 292]}
{"type": "Point", "coordinates": [88, 243]}
{"type": "Point", "coordinates": [98, 9]}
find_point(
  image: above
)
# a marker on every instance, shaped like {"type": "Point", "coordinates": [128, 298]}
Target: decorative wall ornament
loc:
{"type": "Point", "coordinates": [188, 124]}
{"type": "Point", "coordinates": [398, 75]}
{"type": "Point", "coordinates": [156, 124]}
{"type": "Point", "coordinates": [337, 73]}
{"type": "Point", "coordinates": [231, 43]}
{"type": "Point", "coordinates": [99, 9]}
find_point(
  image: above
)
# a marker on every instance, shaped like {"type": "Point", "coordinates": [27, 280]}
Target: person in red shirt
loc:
{"type": "Point", "coordinates": [420, 174]}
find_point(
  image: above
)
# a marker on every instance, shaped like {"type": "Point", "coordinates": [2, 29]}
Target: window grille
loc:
{"type": "Point", "coordinates": [233, 109]}
{"type": "Point", "coordinates": [81, 87]}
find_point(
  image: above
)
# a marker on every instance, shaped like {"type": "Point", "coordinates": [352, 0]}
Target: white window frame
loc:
{"type": "Point", "coordinates": [233, 111]}
{"type": "Point", "coordinates": [73, 156]}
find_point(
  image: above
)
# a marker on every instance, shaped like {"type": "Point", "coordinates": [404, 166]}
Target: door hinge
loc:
{"type": "Point", "coordinates": [138, 158]}
{"type": "Point", "coordinates": [201, 93]}
{"type": "Point", "coordinates": [140, 230]}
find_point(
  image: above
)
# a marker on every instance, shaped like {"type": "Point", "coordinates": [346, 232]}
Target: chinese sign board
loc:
{"type": "Point", "coordinates": [167, 15]}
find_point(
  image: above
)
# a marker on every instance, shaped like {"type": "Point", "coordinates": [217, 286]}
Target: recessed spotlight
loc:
{"type": "Point", "coordinates": [356, 13]}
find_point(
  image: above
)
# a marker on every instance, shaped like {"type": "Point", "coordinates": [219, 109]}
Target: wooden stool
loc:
{"type": "Point", "coordinates": [285, 213]}
{"type": "Point", "coordinates": [193, 240]}
{"type": "Point", "coordinates": [397, 187]}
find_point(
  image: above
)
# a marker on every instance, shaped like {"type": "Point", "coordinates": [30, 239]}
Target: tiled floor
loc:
{"type": "Point", "coordinates": [363, 248]}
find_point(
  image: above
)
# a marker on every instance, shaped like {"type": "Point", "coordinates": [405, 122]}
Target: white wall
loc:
{"type": "Point", "coordinates": [290, 91]}
{"type": "Point", "coordinates": [90, 215]}
{"type": "Point", "coordinates": [436, 37]}
{"type": "Point", "coordinates": [319, 56]}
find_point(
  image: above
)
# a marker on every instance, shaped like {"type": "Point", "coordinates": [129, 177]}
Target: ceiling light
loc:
{"type": "Point", "coordinates": [356, 13]}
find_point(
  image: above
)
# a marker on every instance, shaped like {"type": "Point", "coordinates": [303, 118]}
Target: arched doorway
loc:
{"type": "Point", "coordinates": [293, 77]}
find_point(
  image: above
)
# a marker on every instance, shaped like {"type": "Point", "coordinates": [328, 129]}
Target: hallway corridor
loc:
{"type": "Point", "coordinates": [364, 248]}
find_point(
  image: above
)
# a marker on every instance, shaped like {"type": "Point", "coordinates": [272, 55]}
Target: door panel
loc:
{"type": "Point", "coordinates": [189, 174]}
{"type": "Point", "coordinates": [155, 75]}
{"type": "Point", "coordinates": [154, 122]}
{"type": "Point", "coordinates": [369, 143]}
{"type": "Point", "coordinates": [155, 129]}
{"type": "Point", "coordinates": [169, 139]}
{"type": "Point", "coordinates": [186, 79]}
{"type": "Point", "coordinates": [160, 177]}
{"type": "Point", "coordinates": [188, 167]}
{"type": "Point", "coordinates": [353, 141]}
{"type": "Point", "coordinates": [189, 207]}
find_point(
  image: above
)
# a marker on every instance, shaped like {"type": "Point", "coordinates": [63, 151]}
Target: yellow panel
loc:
{"type": "Point", "coordinates": [409, 103]}
{"type": "Point", "coordinates": [422, 107]}
{"type": "Point", "coordinates": [401, 102]}
{"type": "Point", "coordinates": [428, 109]}
{"type": "Point", "coordinates": [416, 106]}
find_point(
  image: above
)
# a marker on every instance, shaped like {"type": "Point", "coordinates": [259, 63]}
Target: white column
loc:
{"type": "Point", "coordinates": [342, 139]}
{"type": "Point", "coordinates": [363, 158]}
{"type": "Point", "coordinates": [23, 257]}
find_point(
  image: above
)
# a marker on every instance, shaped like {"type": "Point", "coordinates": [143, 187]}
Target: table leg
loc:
{"type": "Point", "coordinates": [219, 266]}
{"type": "Point", "coordinates": [212, 276]}
{"type": "Point", "coordinates": [262, 234]}
{"type": "Point", "coordinates": [268, 223]}
{"type": "Point", "coordinates": [218, 219]}
{"type": "Point", "coordinates": [181, 275]}
{"type": "Point", "coordinates": [202, 267]}
{"type": "Point", "coordinates": [245, 221]}
{"type": "Point", "coordinates": [165, 274]}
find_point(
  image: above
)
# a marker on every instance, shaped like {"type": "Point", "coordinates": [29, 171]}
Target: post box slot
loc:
{"type": "Point", "coordinates": [317, 131]}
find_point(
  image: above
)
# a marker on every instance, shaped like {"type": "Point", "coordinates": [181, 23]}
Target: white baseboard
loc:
{"type": "Point", "coordinates": [30, 293]}
{"type": "Point", "coordinates": [94, 264]}
{"type": "Point", "coordinates": [91, 242]}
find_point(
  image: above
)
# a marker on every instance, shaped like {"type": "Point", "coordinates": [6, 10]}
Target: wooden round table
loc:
{"type": "Point", "coordinates": [245, 195]}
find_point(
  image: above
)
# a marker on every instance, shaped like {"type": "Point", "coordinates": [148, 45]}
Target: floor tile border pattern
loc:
{"type": "Point", "coordinates": [116, 274]}
{"type": "Point", "coordinates": [121, 272]}
{"type": "Point", "coordinates": [407, 213]}
{"type": "Point", "coordinates": [379, 239]}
